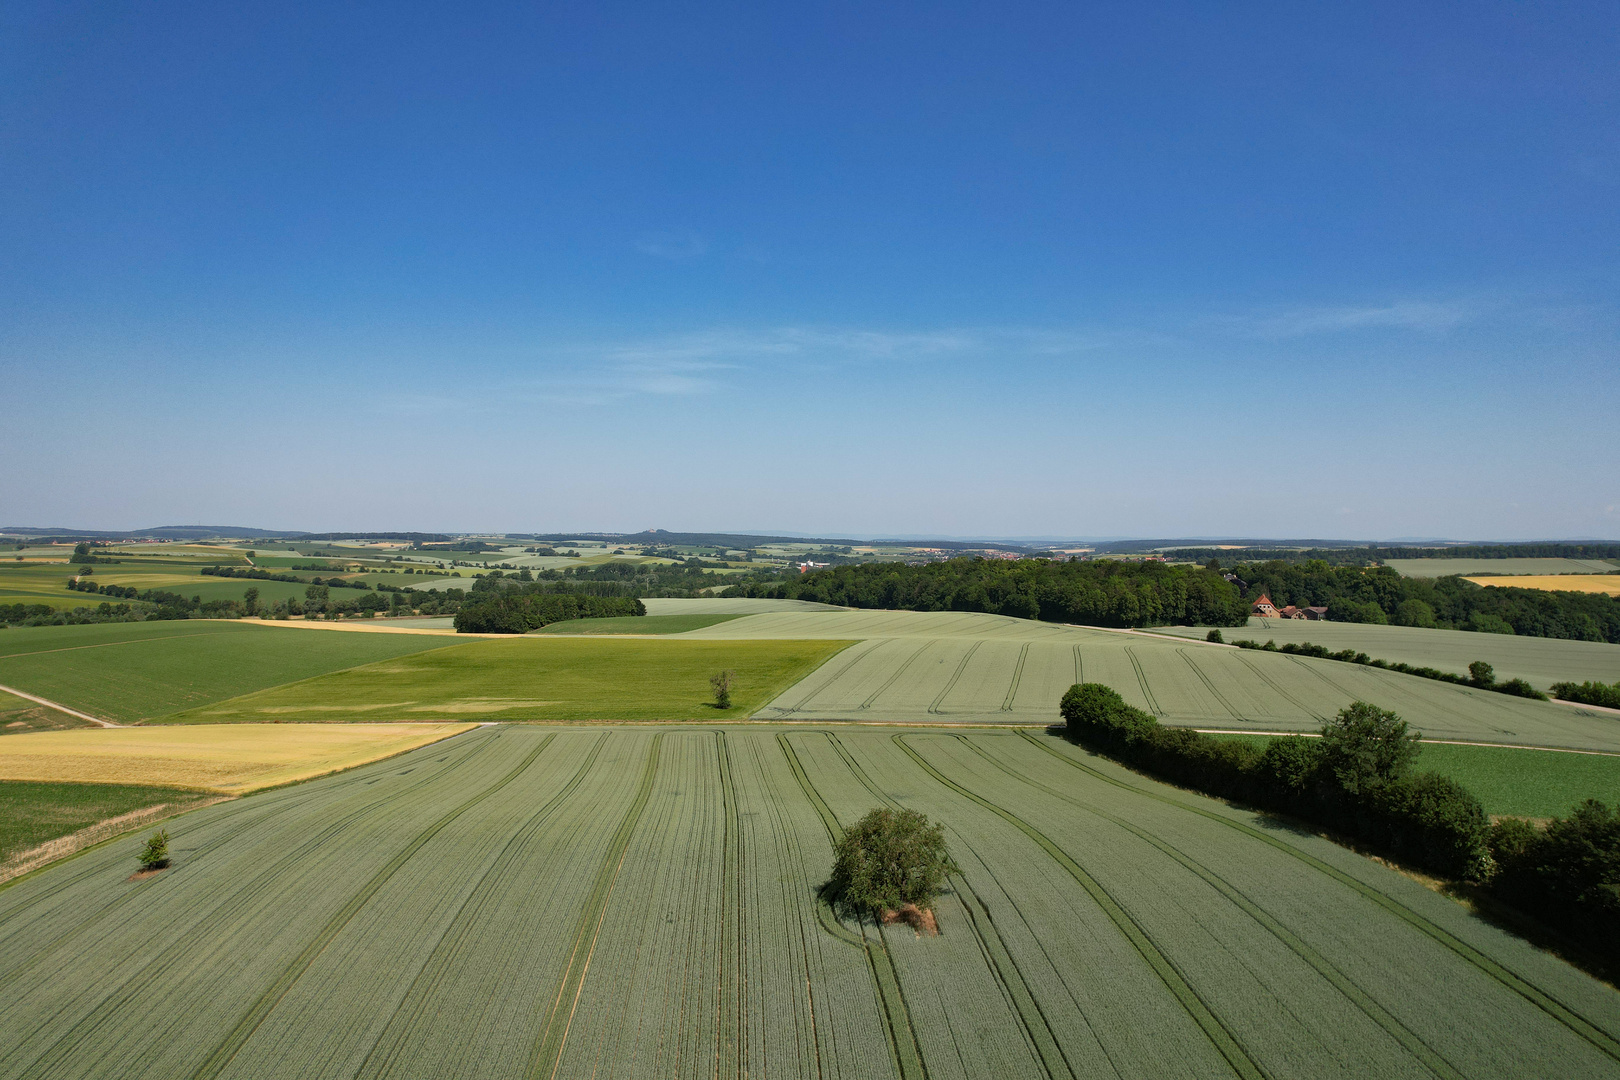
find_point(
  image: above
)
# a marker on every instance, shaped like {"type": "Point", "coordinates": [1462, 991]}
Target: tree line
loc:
{"type": "Point", "coordinates": [1356, 779]}
{"type": "Point", "coordinates": [1097, 592]}
{"type": "Point", "coordinates": [518, 613]}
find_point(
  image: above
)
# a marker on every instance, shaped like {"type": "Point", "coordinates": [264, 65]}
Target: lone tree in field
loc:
{"type": "Point", "coordinates": [889, 864]}
{"type": "Point", "coordinates": [721, 684]}
{"type": "Point", "coordinates": [155, 856]}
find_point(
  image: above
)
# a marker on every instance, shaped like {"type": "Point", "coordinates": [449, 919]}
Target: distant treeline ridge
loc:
{"type": "Point", "coordinates": [1098, 593]}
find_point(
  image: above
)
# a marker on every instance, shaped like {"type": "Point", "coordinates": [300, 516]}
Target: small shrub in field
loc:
{"type": "Point", "coordinates": [721, 685]}
{"type": "Point", "coordinates": [155, 856]}
{"type": "Point", "coordinates": [888, 859]}
{"type": "Point", "coordinates": [1216, 637]}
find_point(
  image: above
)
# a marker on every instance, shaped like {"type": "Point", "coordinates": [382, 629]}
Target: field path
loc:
{"type": "Point", "coordinates": [13, 691]}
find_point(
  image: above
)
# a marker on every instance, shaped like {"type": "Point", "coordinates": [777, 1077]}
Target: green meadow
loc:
{"type": "Point", "coordinates": [32, 812]}
{"type": "Point", "coordinates": [1515, 781]}
{"type": "Point", "coordinates": [130, 672]}
{"type": "Point", "coordinates": [535, 678]}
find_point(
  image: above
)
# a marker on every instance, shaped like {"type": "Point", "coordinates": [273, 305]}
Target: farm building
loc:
{"type": "Point", "coordinates": [1264, 608]}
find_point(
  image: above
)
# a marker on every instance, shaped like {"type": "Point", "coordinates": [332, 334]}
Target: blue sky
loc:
{"type": "Point", "coordinates": [1000, 269]}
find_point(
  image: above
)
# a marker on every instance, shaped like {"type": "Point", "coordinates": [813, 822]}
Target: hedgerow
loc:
{"type": "Point", "coordinates": [1353, 780]}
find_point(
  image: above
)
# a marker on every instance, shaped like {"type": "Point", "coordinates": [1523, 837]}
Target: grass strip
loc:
{"type": "Point", "coordinates": [547, 1054]}
{"type": "Point", "coordinates": [1225, 1042]}
{"type": "Point", "coordinates": [1544, 1001]}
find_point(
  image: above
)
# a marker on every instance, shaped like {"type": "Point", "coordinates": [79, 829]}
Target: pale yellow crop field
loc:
{"type": "Point", "coordinates": [228, 758]}
{"type": "Point", "coordinates": [1601, 583]}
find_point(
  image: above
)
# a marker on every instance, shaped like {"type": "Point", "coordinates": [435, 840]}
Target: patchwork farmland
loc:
{"type": "Point", "coordinates": [523, 902]}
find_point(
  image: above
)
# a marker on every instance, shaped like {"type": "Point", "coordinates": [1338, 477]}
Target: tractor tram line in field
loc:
{"type": "Point", "coordinates": [548, 1048]}
{"type": "Point", "coordinates": [623, 901]}
{"type": "Point", "coordinates": [1042, 1040]}
{"type": "Point", "coordinates": [413, 1002]}
{"type": "Point", "coordinates": [50, 1060]}
{"type": "Point", "coordinates": [1362, 1000]}
{"type": "Point", "coordinates": [1566, 1015]}
{"type": "Point", "coordinates": [247, 814]}
{"type": "Point", "coordinates": [906, 1055]}
{"type": "Point", "coordinates": [216, 1062]}
{"type": "Point", "coordinates": [1224, 1040]}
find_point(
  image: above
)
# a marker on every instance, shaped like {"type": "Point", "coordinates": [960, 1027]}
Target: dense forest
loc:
{"type": "Point", "coordinates": [1370, 554]}
{"type": "Point", "coordinates": [1380, 595]}
{"type": "Point", "coordinates": [1098, 593]}
{"type": "Point", "coordinates": [518, 613]}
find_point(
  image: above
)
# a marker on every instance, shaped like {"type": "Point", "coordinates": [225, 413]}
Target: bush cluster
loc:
{"type": "Point", "coordinates": [1480, 676]}
{"type": "Point", "coordinates": [1354, 779]}
{"type": "Point", "coordinates": [1589, 693]}
{"type": "Point", "coordinates": [1567, 875]}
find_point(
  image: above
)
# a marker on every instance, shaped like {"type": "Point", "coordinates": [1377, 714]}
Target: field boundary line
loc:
{"type": "Point", "coordinates": [96, 833]}
{"type": "Point", "coordinates": [1564, 1014]}
{"type": "Point", "coordinates": [1225, 1042]}
{"type": "Point", "coordinates": [848, 650]}
{"type": "Point", "coordinates": [546, 1056]}
{"type": "Point", "coordinates": [904, 1050]}
{"type": "Point", "coordinates": [261, 1008]}
{"type": "Point", "coordinates": [1341, 982]}
{"type": "Point", "coordinates": [49, 704]}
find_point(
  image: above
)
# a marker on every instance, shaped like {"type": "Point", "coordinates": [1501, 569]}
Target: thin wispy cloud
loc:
{"type": "Point", "coordinates": [1420, 317]}
{"type": "Point", "coordinates": [673, 244]}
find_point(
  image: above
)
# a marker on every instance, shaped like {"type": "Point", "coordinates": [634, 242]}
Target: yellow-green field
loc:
{"type": "Point", "coordinates": [538, 678]}
{"type": "Point", "coordinates": [229, 759]}
{"type": "Point", "coordinates": [1595, 583]}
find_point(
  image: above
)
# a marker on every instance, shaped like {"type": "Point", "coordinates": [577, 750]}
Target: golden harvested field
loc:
{"type": "Point", "coordinates": [1603, 583]}
{"type": "Point", "coordinates": [227, 758]}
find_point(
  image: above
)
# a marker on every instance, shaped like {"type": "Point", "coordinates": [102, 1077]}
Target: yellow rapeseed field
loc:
{"type": "Point", "coordinates": [228, 758]}
{"type": "Point", "coordinates": [1603, 583]}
